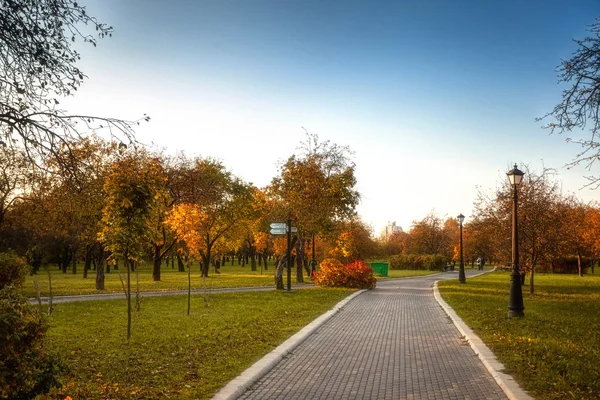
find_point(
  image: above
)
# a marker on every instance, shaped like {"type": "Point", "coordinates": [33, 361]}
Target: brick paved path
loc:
{"type": "Point", "coordinates": [394, 342]}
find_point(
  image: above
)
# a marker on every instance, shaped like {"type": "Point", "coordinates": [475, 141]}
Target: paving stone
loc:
{"type": "Point", "coordinates": [394, 342]}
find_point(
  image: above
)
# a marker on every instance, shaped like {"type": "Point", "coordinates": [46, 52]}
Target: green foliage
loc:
{"type": "Point", "coordinates": [25, 371]}
{"type": "Point", "coordinates": [332, 273]}
{"type": "Point", "coordinates": [430, 262]}
{"type": "Point", "coordinates": [171, 355]}
{"type": "Point", "coordinates": [554, 351]}
{"type": "Point", "coordinates": [132, 190]}
{"type": "Point", "coordinates": [13, 269]}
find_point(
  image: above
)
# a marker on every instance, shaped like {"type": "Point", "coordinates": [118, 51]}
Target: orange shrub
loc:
{"type": "Point", "coordinates": [332, 273]}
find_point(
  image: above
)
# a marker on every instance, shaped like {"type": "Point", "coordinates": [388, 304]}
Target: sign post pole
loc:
{"type": "Point", "coordinates": [289, 255]}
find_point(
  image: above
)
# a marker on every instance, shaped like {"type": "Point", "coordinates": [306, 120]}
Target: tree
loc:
{"type": "Point", "coordinates": [223, 199]}
{"type": "Point", "coordinates": [539, 220]}
{"type": "Point", "coordinates": [591, 235]}
{"type": "Point", "coordinates": [132, 189]}
{"type": "Point", "coordinates": [580, 105]}
{"type": "Point", "coordinates": [38, 68]}
{"type": "Point", "coordinates": [188, 222]}
{"type": "Point", "coordinates": [316, 190]}
{"type": "Point", "coordinates": [427, 236]}
{"type": "Point", "coordinates": [14, 176]}
{"type": "Point", "coordinates": [354, 242]}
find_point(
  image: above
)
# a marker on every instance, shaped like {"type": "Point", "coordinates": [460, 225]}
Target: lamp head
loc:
{"type": "Point", "coordinates": [515, 176]}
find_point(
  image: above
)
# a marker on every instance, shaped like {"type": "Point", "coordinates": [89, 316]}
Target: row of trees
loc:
{"type": "Point", "coordinates": [136, 204]}
{"type": "Point", "coordinates": [557, 231]}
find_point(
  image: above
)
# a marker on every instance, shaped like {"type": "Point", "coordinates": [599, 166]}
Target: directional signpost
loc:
{"type": "Point", "coordinates": [278, 228]}
{"type": "Point", "coordinates": [282, 228]}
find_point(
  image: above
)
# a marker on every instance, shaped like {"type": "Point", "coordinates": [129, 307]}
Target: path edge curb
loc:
{"type": "Point", "coordinates": [506, 382]}
{"type": "Point", "coordinates": [240, 384]}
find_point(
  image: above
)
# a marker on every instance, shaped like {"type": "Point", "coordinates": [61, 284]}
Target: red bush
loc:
{"type": "Point", "coordinates": [332, 273]}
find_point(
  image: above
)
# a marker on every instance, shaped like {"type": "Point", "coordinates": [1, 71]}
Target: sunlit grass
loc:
{"type": "Point", "coordinates": [230, 276]}
{"type": "Point", "coordinates": [172, 355]}
{"type": "Point", "coordinates": [554, 351]}
{"type": "Point", "coordinates": [402, 273]}
{"type": "Point", "coordinates": [171, 279]}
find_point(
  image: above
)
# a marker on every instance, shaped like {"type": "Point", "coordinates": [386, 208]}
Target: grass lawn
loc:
{"type": "Point", "coordinates": [231, 276]}
{"type": "Point", "coordinates": [171, 279]}
{"type": "Point", "coordinates": [554, 351]}
{"type": "Point", "coordinates": [402, 273]}
{"type": "Point", "coordinates": [172, 355]}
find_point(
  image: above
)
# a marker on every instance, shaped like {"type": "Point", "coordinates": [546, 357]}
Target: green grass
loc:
{"type": "Point", "coordinates": [554, 351]}
{"type": "Point", "coordinates": [171, 279]}
{"type": "Point", "coordinates": [172, 355]}
{"type": "Point", "coordinates": [402, 273]}
{"type": "Point", "coordinates": [231, 276]}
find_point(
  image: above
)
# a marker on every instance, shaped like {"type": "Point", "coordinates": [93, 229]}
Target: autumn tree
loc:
{"type": "Point", "coordinates": [427, 235]}
{"type": "Point", "coordinates": [574, 227]}
{"type": "Point", "coordinates": [188, 221]}
{"type": "Point", "coordinates": [74, 202]}
{"type": "Point", "coordinates": [132, 189]}
{"type": "Point", "coordinates": [479, 239]}
{"type": "Point", "coordinates": [540, 220]}
{"type": "Point", "coordinates": [354, 242]}
{"type": "Point", "coordinates": [14, 176]}
{"type": "Point", "coordinates": [222, 198]}
{"type": "Point", "coordinates": [591, 234]}
{"type": "Point", "coordinates": [580, 105]}
{"type": "Point", "coordinates": [158, 237]}
{"type": "Point", "coordinates": [316, 189]}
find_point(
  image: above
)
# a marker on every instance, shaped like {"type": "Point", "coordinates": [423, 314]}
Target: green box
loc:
{"type": "Point", "coordinates": [380, 269]}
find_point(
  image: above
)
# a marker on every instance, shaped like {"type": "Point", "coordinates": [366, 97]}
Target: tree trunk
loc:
{"type": "Point", "coordinates": [299, 260]}
{"type": "Point", "coordinates": [265, 262]}
{"type": "Point", "coordinates": [207, 257]}
{"type": "Point", "coordinates": [87, 264]}
{"type": "Point", "coordinates": [74, 264]}
{"type": "Point", "coordinates": [579, 266]}
{"type": "Point", "coordinates": [100, 275]}
{"type": "Point", "coordinates": [128, 293]}
{"type": "Point", "coordinates": [157, 261]}
{"type": "Point", "coordinates": [279, 273]}
{"type": "Point", "coordinates": [252, 255]}
{"type": "Point", "coordinates": [180, 264]}
{"type": "Point", "coordinates": [531, 276]}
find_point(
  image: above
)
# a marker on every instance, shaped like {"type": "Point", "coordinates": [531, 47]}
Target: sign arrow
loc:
{"type": "Point", "coordinates": [278, 225]}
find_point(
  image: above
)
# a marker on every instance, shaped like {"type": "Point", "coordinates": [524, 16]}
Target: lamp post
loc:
{"type": "Point", "coordinates": [461, 270]}
{"type": "Point", "coordinates": [515, 298]}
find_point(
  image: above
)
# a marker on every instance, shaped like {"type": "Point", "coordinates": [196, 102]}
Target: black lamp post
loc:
{"type": "Point", "coordinates": [461, 270]}
{"type": "Point", "coordinates": [515, 299]}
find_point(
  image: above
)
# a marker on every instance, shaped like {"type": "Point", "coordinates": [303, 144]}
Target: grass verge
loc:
{"type": "Point", "coordinates": [172, 355]}
{"type": "Point", "coordinates": [231, 276]}
{"type": "Point", "coordinates": [171, 279]}
{"type": "Point", "coordinates": [554, 351]}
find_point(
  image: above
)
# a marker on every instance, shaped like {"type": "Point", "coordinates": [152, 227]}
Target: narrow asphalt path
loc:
{"type": "Point", "coordinates": [113, 296]}
{"type": "Point", "coordinates": [394, 342]}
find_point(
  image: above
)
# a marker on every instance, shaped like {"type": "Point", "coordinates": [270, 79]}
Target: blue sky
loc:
{"type": "Point", "coordinates": [436, 98]}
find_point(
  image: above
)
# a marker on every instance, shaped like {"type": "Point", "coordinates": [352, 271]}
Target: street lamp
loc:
{"type": "Point", "coordinates": [515, 299]}
{"type": "Point", "coordinates": [461, 270]}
